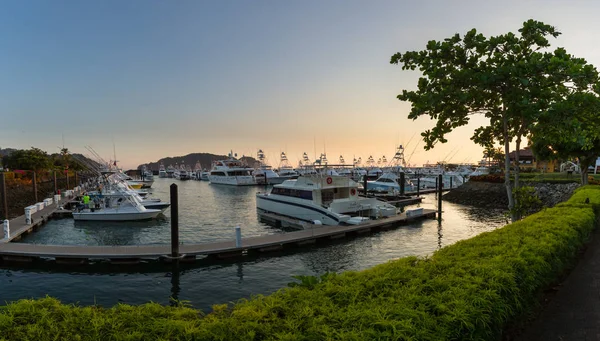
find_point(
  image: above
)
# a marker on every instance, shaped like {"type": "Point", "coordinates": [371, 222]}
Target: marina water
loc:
{"type": "Point", "coordinates": [208, 213]}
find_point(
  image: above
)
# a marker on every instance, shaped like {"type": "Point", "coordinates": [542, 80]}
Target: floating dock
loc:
{"type": "Point", "coordinates": [311, 234]}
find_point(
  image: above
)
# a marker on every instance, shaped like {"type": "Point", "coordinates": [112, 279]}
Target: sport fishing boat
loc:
{"type": "Point", "coordinates": [116, 208]}
{"type": "Point", "coordinates": [231, 172]}
{"type": "Point", "coordinates": [286, 171]}
{"type": "Point", "coordinates": [162, 173]}
{"type": "Point", "coordinates": [389, 183]}
{"type": "Point", "coordinates": [264, 174]}
{"type": "Point", "coordinates": [330, 200]}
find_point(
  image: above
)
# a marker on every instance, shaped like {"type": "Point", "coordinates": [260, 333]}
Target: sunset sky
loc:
{"type": "Point", "coordinates": [168, 78]}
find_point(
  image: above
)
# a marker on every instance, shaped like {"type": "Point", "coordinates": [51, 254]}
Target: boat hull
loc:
{"type": "Point", "coordinates": [156, 205]}
{"type": "Point", "coordinates": [305, 212]}
{"type": "Point", "coordinates": [114, 216]}
{"type": "Point", "coordinates": [232, 180]}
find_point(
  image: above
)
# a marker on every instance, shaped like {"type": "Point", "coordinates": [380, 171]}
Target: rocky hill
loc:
{"type": "Point", "coordinates": [205, 160]}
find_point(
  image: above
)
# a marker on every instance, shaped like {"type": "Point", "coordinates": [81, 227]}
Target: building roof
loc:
{"type": "Point", "coordinates": [526, 153]}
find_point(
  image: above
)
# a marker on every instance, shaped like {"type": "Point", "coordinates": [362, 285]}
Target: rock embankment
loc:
{"type": "Point", "coordinates": [493, 195]}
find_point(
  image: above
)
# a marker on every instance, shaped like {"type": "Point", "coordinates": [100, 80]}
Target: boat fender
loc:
{"type": "Point", "coordinates": [317, 222]}
{"type": "Point", "coordinates": [353, 191]}
{"type": "Point", "coordinates": [329, 180]}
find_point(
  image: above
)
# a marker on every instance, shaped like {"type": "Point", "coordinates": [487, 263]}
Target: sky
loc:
{"type": "Point", "coordinates": [169, 78]}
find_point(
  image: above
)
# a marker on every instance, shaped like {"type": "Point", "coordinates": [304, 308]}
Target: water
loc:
{"type": "Point", "coordinates": [208, 213]}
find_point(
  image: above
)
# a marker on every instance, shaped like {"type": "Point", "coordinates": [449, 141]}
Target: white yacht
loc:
{"type": "Point", "coordinates": [204, 175]}
{"type": "Point", "coordinates": [480, 171]}
{"type": "Point", "coordinates": [264, 174]}
{"type": "Point", "coordinates": [330, 200]}
{"type": "Point", "coordinates": [162, 173]}
{"type": "Point", "coordinates": [231, 172]}
{"type": "Point", "coordinates": [389, 183]}
{"type": "Point", "coordinates": [170, 171]}
{"type": "Point", "coordinates": [286, 171]}
{"type": "Point", "coordinates": [181, 173]}
{"type": "Point", "coordinates": [197, 171]}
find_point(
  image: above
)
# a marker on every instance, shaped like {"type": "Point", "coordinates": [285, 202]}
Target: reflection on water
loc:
{"type": "Point", "coordinates": [209, 213]}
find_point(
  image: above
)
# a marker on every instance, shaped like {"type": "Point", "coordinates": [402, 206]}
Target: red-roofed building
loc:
{"type": "Point", "coordinates": [527, 161]}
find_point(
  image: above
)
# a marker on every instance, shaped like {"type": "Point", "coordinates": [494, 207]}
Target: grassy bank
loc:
{"type": "Point", "coordinates": [470, 291]}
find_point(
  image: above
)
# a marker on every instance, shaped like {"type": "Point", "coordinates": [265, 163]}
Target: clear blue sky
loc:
{"type": "Point", "coordinates": [167, 78]}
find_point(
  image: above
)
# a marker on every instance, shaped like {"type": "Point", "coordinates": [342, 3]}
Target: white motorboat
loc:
{"type": "Point", "coordinates": [170, 171]}
{"type": "Point", "coordinates": [231, 172]}
{"type": "Point", "coordinates": [264, 174]}
{"type": "Point", "coordinates": [431, 181]}
{"type": "Point", "coordinates": [181, 173]}
{"type": "Point", "coordinates": [480, 171]}
{"type": "Point", "coordinates": [204, 175]}
{"type": "Point", "coordinates": [162, 172]}
{"type": "Point", "coordinates": [389, 183]}
{"type": "Point", "coordinates": [116, 208]}
{"type": "Point", "coordinates": [147, 175]}
{"type": "Point", "coordinates": [286, 171]}
{"type": "Point", "coordinates": [197, 171]}
{"type": "Point", "coordinates": [330, 200]}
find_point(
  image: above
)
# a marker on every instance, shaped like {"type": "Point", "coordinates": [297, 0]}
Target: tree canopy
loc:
{"type": "Point", "coordinates": [510, 79]}
{"type": "Point", "coordinates": [570, 130]}
{"type": "Point", "coordinates": [33, 159]}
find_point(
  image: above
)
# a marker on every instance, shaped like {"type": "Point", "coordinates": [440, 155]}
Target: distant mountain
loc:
{"type": "Point", "coordinates": [6, 151]}
{"type": "Point", "coordinates": [205, 160]}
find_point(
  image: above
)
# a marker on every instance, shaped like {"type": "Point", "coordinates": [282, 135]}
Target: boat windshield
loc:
{"type": "Point", "coordinates": [330, 194]}
{"type": "Point", "coordinates": [296, 193]}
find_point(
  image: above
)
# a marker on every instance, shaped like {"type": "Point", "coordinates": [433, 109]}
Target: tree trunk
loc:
{"type": "Point", "coordinates": [517, 169]}
{"type": "Point", "coordinates": [511, 200]}
{"type": "Point", "coordinates": [584, 163]}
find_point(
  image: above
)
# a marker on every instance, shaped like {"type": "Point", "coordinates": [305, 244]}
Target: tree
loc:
{"type": "Point", "coordinates": [570, 129]}
{"type": "Point", "coordinates": [507, 78]}
{"type": "Point", "coordinates": [33, 159]}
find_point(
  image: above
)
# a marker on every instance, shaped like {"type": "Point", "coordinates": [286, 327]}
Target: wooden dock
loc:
{"type": "Point", "coordinates": [22, 252]}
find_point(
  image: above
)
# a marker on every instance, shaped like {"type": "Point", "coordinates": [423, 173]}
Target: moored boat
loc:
{"type": "Point", "coordinates": [330, 200]}
{"type": "Point", "coordinates": [231, 172]}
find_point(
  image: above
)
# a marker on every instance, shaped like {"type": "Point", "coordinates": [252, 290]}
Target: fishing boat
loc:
{"type": "Point", "coordinates": [231, 172]}
{"type": "Point", "coordinates": [171, 171]}
{"type": "Point", "coordinates": [116, 208]}
{"type": "Point", "coordinates": [286, 171]}
{"type": "Point", "coordinates": [204, 175]}
{"type": "Point", "coordinates": [264, 174]}
{"type": "Point", "coordinates": [329, 200]}
{"type": "Point", "coordinates": [162, 172]}
{"type": "Point", "coordinates": [389, 183]}
{"type": "Point", "coordinates": [181, 173]}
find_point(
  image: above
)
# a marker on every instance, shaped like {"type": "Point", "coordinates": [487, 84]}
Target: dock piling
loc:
{"type": "Point", "coordinates": [35, 191]}
{"type": "Point", "coordinates": [402, 182]}
{"type": "Point", "coordinates": [418, 184]}
{"type": "Point", "coordinates": [28, 220]}
{"type": "Point", "coordinates": [238, 236]}
{"type": "Point", "coordinates": [450, 182]}
{"type": "Point", "coordinates": [55, 185]}
{"type": "Point", "coordinates": [3, 195]}
{"type": "Point", "coordinates": [365, 184]}
{"type": "Point", "coordinates": [174, 223]}
{"type": "Point", "coordinates": [440, 187]}
{"type": "Point", "coordinates": [6, 229]}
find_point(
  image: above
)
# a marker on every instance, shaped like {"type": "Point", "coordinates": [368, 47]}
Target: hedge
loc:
{"type": "Point", "coordinates": [471, 290]}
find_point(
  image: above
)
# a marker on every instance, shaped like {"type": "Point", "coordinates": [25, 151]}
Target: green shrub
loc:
{"type": "Point", "coordinates": [470, 291]}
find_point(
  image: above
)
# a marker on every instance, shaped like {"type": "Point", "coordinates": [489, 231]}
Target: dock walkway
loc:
{"type": "Point", "coordinates": [310, 235]}
{"type": "Point", "coordinates": [18, 225]}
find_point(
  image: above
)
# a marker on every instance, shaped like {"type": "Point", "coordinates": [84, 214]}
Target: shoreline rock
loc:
{"type": "Point", "coordinates": [493, 195]}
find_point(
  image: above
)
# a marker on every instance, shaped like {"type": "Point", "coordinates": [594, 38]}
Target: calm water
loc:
{"type": "Point", "coordinates": [208, 213]}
